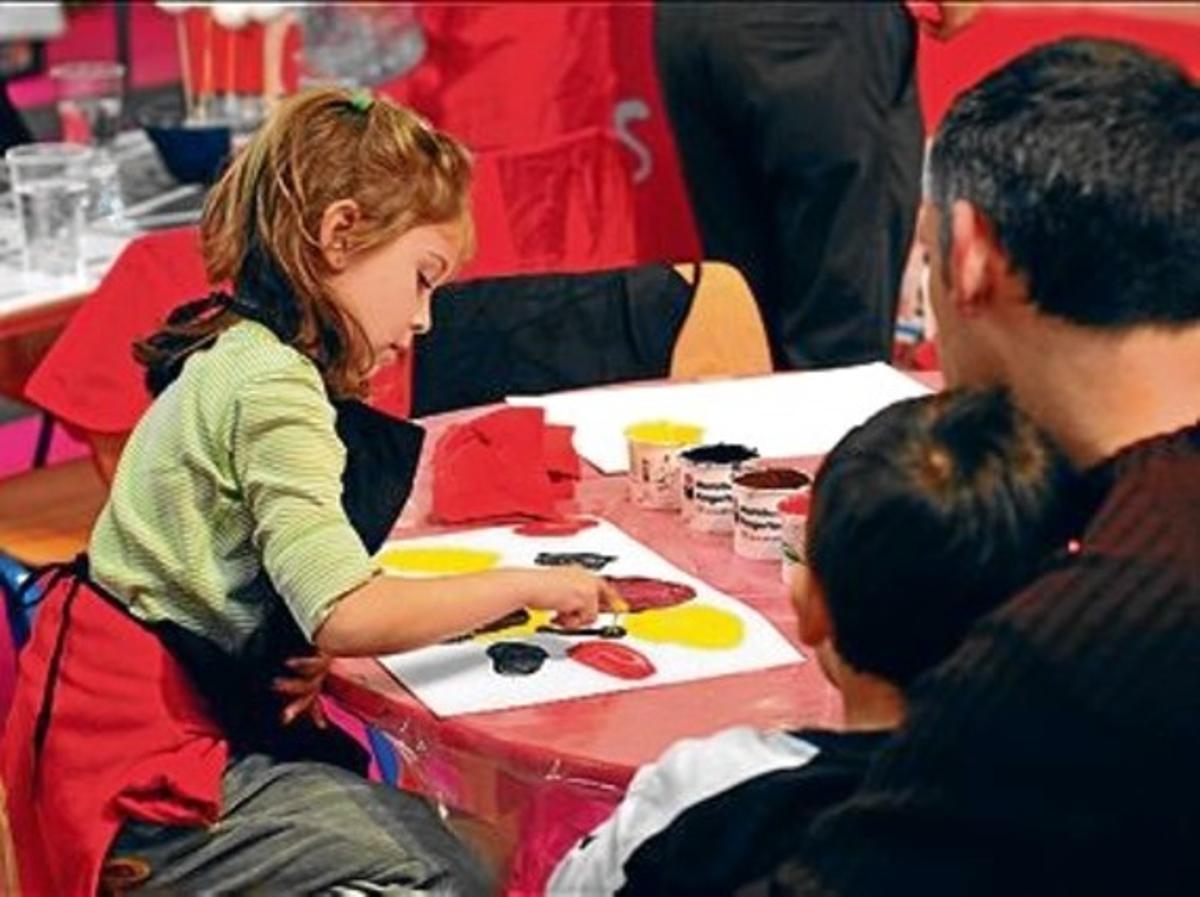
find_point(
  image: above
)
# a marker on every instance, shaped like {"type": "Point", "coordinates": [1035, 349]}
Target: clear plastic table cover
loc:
{"type": "Point", "coordinates": [532, 780]}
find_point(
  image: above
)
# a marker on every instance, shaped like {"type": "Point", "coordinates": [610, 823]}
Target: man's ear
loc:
{"type": "Point", "coordinates": [337, 222]}
{"type": "Point", "coordinates": [976, 259]}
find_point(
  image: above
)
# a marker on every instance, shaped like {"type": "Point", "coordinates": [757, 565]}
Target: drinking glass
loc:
{"type": "Point", "coordinates": [51, 185]}
{"type": "Point", "coordinates": [89, 106]}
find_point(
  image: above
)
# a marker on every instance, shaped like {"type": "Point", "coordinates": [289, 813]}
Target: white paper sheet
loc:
{"type": "Point", "coordinates": [458, 678]}
{"type": "Point", "coordinates": [781, 415]}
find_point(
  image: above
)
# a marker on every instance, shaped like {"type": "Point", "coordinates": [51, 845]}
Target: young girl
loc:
{"type": "Point", "coordinates": [234, 534]}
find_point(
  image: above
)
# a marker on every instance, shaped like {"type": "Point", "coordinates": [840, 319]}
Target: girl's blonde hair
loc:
{"type": "Point", "coordinates": [318, 147]}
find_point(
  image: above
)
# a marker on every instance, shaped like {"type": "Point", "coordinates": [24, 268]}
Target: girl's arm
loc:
{"type": "Point", "coordinates": [388, 615]}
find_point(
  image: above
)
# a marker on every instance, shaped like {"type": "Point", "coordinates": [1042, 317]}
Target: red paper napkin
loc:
{"type": "Point", "coordinates": [503, 465]}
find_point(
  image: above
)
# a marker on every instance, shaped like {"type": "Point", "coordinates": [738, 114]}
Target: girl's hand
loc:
{"type": "Point", "coordinates": [574, 595]}
{"type": "Point", "coordinates": [303, 689]}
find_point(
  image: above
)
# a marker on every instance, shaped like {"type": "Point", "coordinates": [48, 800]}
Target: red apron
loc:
{"type": "Point", "coordinates": [122, 735]}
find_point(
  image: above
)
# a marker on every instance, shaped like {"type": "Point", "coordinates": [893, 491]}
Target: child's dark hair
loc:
{"type": "Point", "coordinates": [927, 517]}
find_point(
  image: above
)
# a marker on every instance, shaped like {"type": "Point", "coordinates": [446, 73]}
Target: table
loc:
{"type": "Point", "coordinates": [33, 311]}
{"type": "Point", "coordinates": [538, 777]}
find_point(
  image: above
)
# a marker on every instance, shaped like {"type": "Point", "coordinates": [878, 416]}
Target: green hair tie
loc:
{"type": "Point", "coordinates": [362, 101]}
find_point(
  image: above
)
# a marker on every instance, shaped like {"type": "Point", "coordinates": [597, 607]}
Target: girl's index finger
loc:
{"type": "Point", "coordinates": [307, 664]}
{"type": "Point", "coordinates": [611, 599]}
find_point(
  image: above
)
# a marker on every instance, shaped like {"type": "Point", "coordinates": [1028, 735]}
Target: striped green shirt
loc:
{"type": "Point", "coordinates": [235, 468]}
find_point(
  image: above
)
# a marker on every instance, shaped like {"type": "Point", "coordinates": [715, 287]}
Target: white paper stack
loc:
{"type": "Point", "coordinates": [781, 415]}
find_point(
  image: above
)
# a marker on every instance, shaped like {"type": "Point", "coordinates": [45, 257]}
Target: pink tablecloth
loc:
{"type": "Point", "coordinates": [541, 776]}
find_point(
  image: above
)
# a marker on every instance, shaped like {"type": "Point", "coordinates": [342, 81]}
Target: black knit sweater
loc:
{"type": "Point", "coordinates": [1058, 752]}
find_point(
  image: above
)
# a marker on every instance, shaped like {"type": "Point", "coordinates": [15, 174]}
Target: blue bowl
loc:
{"type": "Point", "coordinates": [193, 154]}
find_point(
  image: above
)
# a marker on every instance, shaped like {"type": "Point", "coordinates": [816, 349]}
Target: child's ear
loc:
{"type": "Point", "coordinates": [812, 611]}
{"type": "Point", "coordinates": [337, 222]}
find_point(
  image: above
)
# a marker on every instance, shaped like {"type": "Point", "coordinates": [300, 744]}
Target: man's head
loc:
{"type": "Point", "coordinates": [924, 519]}
{"type": "Point", "coordinates": [1064, 189]}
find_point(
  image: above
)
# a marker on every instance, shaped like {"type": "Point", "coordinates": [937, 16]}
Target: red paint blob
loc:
{"type": "Point", "coordinates": [568, 527]}
{"type": "Point", "coordinates": [612, 658]}
{"type": "Point", "coordinates": [645, 593]}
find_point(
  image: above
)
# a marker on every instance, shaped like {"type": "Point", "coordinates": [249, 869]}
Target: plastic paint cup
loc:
{"type": "Point", "coordinates": [756, 498]}
{"type": "Point", "coordinates": [793, 526]}
{"type": "Point", "coordinates": [706, 475]}
{"type": "Point", "coordinates": [654, 448]}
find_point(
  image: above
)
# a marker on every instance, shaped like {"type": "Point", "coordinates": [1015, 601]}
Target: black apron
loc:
{"type": "Point", "coordinates": [382, 454]}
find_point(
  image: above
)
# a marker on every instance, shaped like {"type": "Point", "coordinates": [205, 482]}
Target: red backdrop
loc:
{"type": "Point", "coordinates": [561, 102]}
{"type": "Point", "coordinates": [576, 165]}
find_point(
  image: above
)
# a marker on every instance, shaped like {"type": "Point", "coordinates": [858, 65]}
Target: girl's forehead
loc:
{"type": "Point", "coordinates": [446, 237]}
{"type": "Point", "coordinates": [453, 241]}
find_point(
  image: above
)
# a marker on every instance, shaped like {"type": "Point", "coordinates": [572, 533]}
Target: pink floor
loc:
{"type": "Point", "coordinates": [18, 439]}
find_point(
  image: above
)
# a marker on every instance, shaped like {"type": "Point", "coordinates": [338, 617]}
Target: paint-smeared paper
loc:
{"type": "Point", "coordinates": [710, 635]}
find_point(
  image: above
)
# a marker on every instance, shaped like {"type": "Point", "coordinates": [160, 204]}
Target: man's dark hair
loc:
{"type": "Point", "coordinates": [927, 517]}
{"type": "Point", "coordinates": [1084, 155]}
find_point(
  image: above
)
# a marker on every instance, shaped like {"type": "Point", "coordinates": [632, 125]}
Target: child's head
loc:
{"type": "Point", "coordinates": [924, 519]}
{"type": "Point", "coordinates": [361, 206]}
{"type": "Point", "coordinates": [337, 220]}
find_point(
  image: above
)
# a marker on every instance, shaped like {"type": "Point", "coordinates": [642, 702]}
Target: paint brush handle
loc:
{"type": "Point", "coordinates": [611, 631]}
{"type": "Point", "coordinates": [619, 607]}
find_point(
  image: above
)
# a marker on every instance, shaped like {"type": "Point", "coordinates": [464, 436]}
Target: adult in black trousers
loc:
{"type": "Point", "coordinates": [801, 141]}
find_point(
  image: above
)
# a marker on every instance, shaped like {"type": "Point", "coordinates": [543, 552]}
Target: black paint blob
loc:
{"type": "Point", "coordinates": [586, 559]}
{"type": "Point", "coordinates": [516, 658]}
{"type": "Point", "coordinates": [518, 617]}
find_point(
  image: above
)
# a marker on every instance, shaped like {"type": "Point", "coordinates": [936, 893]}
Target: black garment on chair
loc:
{"type": "Point", "coordinates": [542, 333]}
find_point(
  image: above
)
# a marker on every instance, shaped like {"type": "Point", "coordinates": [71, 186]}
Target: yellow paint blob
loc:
{"type": "Point", "coordinates": [664, 432]}
{"type": "Point", "coordinates": [437, 561]}
{"type": "Point", "coordinates": [693, 625]}
{"type": "Point", "coordinates": [529, 627]}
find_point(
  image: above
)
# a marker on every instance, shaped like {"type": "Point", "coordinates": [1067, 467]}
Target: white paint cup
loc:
{"type": "Point", "coordinates": [654, 448]}
{"type": "Point", "coordinates": [793, 529]}
{"type": "Point", "coordinates": [707, 476]}
{"type": "Point", "coordinates": [756, 498]}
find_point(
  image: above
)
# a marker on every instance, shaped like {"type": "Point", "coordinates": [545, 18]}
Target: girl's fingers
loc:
{"type": "Point", "coordinates": [571, 619]}
{"type": "Point", "coordinates": [309, 666]}
{"type": "Point", "coordinates": [297, 707]}
{"type": "Point", "coordinates": [610, 599]}
{"type": "Point", "coordinates": [310, 705]}
{"type": "Point", "coordinates": [295, 686]}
